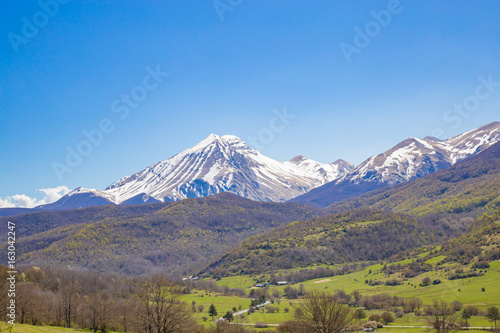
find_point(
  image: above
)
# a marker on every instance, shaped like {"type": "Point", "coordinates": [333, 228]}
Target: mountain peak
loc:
{"type": "Point", "coordinates": [297, 159]}
{"type": "Point", "coordinates": [231, 141]}
{"type": "Point", "coordinates": [225, 164]}
{"type": "Point", "coordinates": [432, 139]}
{"type": "Point", "coordinates": [343, 162]}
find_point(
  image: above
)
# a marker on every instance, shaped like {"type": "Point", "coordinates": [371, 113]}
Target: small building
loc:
{"type": "Point", "coordinates": [282, 283]}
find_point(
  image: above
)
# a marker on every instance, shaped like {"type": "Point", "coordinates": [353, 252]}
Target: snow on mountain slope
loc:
{"type": "Point", "coordinates": [226, 164]}
{"type": "Point", "coordinates": [413, 158]}
{"type": "Point", "coordinates": [472, 142]}
{"type": "Point", "coordinates": [79, 198]}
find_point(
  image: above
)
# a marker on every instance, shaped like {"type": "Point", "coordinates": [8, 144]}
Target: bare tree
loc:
{"type": "Point", "coordinates": [98, 310]}
{"type": "Point", "coordinates": [124, 311]}
{"type": "Point", "coordinates": [27, 302]}
{"type": "Point", "coordinates": [319, 312]}
{"type": "Point", "coordinates": [68, 298]}
{"type": "Point", "coordinates": [160, 310]}
{"type": "Point", "coordinates": [443, 318]}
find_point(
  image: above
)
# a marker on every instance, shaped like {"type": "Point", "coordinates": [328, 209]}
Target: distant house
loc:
{"type": "Point", "coordinates": [261, 285]}
{"type": "Point", "coordinates": [282, 283]}
{"type": "Point", "coordinates": [190, 278]}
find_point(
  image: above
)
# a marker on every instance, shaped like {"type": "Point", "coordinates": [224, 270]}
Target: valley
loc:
{"type": "Point", "coordinates": [388, 256]}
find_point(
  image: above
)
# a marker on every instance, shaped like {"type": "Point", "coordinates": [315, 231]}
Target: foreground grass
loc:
{"type": "Point", "coordinates": [22, 328]}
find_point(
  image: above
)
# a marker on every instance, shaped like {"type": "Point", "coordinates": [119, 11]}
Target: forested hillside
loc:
{"type": "Point", "coordinates": [170, 238]}
{"type": "Point", "coordinates": [354, 236]}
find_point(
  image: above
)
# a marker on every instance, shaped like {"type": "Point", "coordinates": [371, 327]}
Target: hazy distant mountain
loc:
{"type": "Point", "coordinates": [410, 159]}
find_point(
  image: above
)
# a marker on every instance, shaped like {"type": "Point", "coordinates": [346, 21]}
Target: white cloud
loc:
{"type": "Point", "coordinates": [24, 201]}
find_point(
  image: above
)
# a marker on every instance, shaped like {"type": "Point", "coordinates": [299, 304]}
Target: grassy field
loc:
{"type": "Point", "coordinates": [468, 291]}
{"type": "Point", "coordinates": [21, 328]}
{"type": "Point", "coordinates": [222, 303]}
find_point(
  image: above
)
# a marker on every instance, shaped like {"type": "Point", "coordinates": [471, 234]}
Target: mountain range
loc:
{"type": "Point", "coordinates": [227, 164]}
{"type": "Point", "coordinates": [185, 235]}
{"type": "Point", "coordinates": [408, 160]}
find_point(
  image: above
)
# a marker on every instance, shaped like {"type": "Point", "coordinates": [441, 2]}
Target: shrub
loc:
{"type": "Point", "coordinates": [426, 281]}
{"type": "Point", "coordinates": [473, 310]}
{"type": "Point", "coordinates": [387, 317]}
{"type": "Point", "coordinates": [373, 324]}
{"type": "Point", "coordinates": [456, 305]}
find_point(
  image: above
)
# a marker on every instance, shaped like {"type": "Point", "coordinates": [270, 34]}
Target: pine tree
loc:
{"type": "Point", "coordinates": [212, 311]}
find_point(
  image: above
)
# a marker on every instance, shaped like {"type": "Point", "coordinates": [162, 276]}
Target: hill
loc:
{"type": "Point", "coordinates": [37, 222]}
{"type": "Point", "coordinates": [348, 237]}
{"type": "Point", "coordinates": [172, 238]}
{"type": "Point", "coordinates": [470, 186]}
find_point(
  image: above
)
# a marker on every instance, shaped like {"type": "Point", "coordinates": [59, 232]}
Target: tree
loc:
{"type": "Point", "coordinates": [160, 310]}
{"type": "Point", "coordinates": [201, 307]}
{"type": "Point", "coordinates": [228, 316]}
{"type": "Point", "coordinates": [466, 316]}
{"type": "Point", "coordinates": [426, 281]}
{"type": "Point", "coordinates": [320, 313]}
{"type": "Point", "coordinates": [68, 298]}
{"type": "Point", "coordinates": [359, 314]}
{"type": "Point", "coordinates": [212, 311]}
{"type": "Point", "coordinates": [98, 310]}
{"type": "Point", "coordinates": [387, 318]}
{"type": "Point", "coordinates": [493, 314]}
{"type": "Point", "coordinates": [356, 296]}
{"type": "Point", "coordinates": [456, 305]}
{"type": "Point", "coordinates": [443, 318]}
{"type": "Point", "coordinates": [27, 303]}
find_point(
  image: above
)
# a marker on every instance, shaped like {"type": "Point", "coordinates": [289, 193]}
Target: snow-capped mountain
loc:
{"type": "Point", "coordinates": [410, 159]}
{"type": "Point", "coordinates": [216, 164]}
{"type": "Point", "coordinates": [226, 164]}
{"type": "Point", "coordinates": [414, 158]}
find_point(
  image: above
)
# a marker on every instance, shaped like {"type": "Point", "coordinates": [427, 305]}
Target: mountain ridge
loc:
{"type": "Point", "coordinates": [410, 159]}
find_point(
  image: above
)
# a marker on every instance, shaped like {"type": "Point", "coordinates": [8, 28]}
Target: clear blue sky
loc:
{"type": "Point", "coordinates": [227, 76]}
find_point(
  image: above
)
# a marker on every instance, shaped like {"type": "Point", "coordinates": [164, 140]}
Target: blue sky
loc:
{"type": "Point", "coordinates": [230, 64]}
